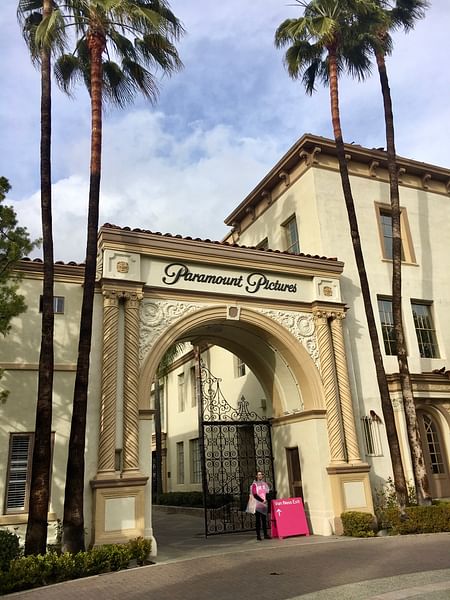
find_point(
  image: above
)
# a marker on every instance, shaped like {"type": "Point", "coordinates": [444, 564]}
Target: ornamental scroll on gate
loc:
{"type": "Point", "coordinates": [235, 443]}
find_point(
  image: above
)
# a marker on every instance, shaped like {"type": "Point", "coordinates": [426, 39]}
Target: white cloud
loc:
{"type": "Point", "coordinates": [219, 125]}
{"type": "Point", "coordinates": [187, 189]}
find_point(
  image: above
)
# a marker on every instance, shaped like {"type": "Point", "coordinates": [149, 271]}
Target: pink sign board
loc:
{"type": "Point", "coordinates": [288, 518]}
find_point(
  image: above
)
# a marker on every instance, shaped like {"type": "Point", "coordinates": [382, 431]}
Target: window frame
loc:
{"type": "Point", "coordinates": [240, 368]}
{"type": "Point", "coordinates": [263, 244]}
{"type": "Point", "coordinates": [292, 245]}
{"type": "Point", "coordinates": [57, 300]}
{"type": "Point", "coordinates": [195, 461]}
{"type": "Point", "coordinates": [372, 437]}
{"type": "Point", "coordinates": [389, 341]}
{"type": "Point", "coordinates": [181, 393]}
{"type": "Point", "coordinates": [434, 445]}
{"type": "Point", "coordinates": [31, 437]}
{"type": "Point", "coordinates": [193, 382]}
{"type": "Point", "coordinates": [431, 331]}
{"type": "Point", "coordinates": [408, 255]}
{"type": "Point", "coordinates": [180, 463]}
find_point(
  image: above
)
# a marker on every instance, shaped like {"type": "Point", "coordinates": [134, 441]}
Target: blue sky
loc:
{"type": "Point", "coordinates": [182, 165]}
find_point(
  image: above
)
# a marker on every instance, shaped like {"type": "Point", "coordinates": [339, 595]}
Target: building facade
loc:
{"type": "Point", "coordinates": [277, 320]}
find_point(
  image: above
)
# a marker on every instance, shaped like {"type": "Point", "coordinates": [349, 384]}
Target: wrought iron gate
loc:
{"type": "Point", "coordinates": [235, 443]}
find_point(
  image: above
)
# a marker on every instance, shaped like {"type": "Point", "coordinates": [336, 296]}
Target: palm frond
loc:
{"type": "Point", "coordinates": [317, 70]}
{"type": "Point", "coordinates": [68, 71]}
{"type": "Point", "coordinates": [406, 12]}
{"type": "Point", "coordinates": [290, 30]}
{"type": "Point", "coordinates": [50, 33]}
{"type": "Point", "coordinates": [157, 50]}
{"type": "Point", "coordinates": [169, 356]}
{"type": "Point", "coordinates": [117, 87]}
{"type": "Point", "coordinates": [139, 37]}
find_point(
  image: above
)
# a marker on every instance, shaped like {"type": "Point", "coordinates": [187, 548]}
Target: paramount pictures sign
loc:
{"type": "Point", "coordinates": [256, 284]}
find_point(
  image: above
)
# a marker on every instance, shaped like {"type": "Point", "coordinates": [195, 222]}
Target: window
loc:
{"type": "Point", "coordinates": [384, 215]}
{"type": "Point", "coordinates": [239, 367]}
{"type": "Point", "coordinates": [387, 325]}
{"type": "Point", "coordinates": [434, 447]}
{"type": "Point", "coordinates": [371, 431]}
{"type": "Point", "coordinates": [425, 331]}
{"type": "Point", "coordinates": [58, 304]}
{"type": "Point", "coordinates": [263, 244]}
{"type": "Point", "coordinates": [291, 233]}
{"type": "Point", "coordinates": [181, 399]}
{"type": "Point", "coordinates": [196, 465]}
{"type": "Point", "coordinates": [180, 462]}
{"type": "Point", "coordinates": [19, 472]}
{"type": "Point", "coordinates": [193, 380]}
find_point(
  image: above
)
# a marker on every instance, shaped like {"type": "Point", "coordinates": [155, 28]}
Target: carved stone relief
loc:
{"type": "Point", "coordinates": [156, 316]}
{"type": "Point", "coordinates": [301, 326]}
{"type": "Point", "coordinates": [397, 403]}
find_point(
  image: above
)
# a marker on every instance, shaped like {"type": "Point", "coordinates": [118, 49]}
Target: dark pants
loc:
{"type": "Point", "coordinates": [261, 519]}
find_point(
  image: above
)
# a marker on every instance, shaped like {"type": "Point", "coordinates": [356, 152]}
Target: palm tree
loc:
{"type": "Point", "coordinates": [321, 44]}
{"type": "Point", "coordinates": [140, 34]}
{"type": "Point", "coordinates": [163, 368]}
{"type": "Point", "coordinates": [403, 14]}
{"type": "Point", "coordinates": [31, 13]}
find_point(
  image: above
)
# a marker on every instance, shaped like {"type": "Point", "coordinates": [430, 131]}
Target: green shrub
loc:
{"type": "Point", "coordinates": [358, 524]}
{"type": "Point", "coordinates": [419, 519]}
{"type": "Point", "coordinates": [110, 557]}
{"type": "Point", "coordinates": [9, 548]}
{"type": "Point", "coordinates": [34, 571]}
{"type": "Point", "coordinates": [385, 500]}
{"type": "Point", "coordinates": [139, 550]}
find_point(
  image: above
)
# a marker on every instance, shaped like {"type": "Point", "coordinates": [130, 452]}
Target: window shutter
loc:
{"type": "Point", "coordinates": [19, 465]}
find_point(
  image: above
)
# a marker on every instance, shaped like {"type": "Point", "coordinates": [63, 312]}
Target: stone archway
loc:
{"type": "Point", "coordinates": [282, 314]}
{"type": "Point", "coordinates": [295, 370]}
{"type": "Point", "coordinates": [434, 450]}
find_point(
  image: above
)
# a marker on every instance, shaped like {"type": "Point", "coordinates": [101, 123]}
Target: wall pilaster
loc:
{"type": "Point", "coordinates": [106, 452]}
{"type": "Point", "coordinates": [328, 374]}
{"type": "Point", "coordinates": [131, 383]}
{"type": "Point", "coordinates": [348, 418]}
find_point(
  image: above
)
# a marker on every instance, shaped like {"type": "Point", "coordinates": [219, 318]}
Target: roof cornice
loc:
{"type": "Point", "coordinates": [209, 252]}
{"type": "Point", "coordinates": [307, 150]}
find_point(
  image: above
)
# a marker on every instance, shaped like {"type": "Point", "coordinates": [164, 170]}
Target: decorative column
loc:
{"type": "Point", "coordinates": [131, 384]}
{"type": "Point", "coordinates": [348, 418]}
{"type": "Point", "coordinates": [107, 441]}
{"type": "Point", "coordinates": [349, 477]}
{"type": "Point", "coordinates": [328, 374]}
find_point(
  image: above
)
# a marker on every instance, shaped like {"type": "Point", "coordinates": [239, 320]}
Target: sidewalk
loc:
{"type": "Point", "coordinates": [181, 536]}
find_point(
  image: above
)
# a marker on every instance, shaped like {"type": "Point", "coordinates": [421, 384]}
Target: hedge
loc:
{"type": "Point", "coordinates": [419, 519]}
{"type": "Point", "coordinates": [358, 524]}
{"type": "Point", "coordinates": [35, 571]}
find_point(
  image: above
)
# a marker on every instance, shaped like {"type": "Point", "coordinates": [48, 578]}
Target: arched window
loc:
{"type": "Point", "coordinates": [434, 446]}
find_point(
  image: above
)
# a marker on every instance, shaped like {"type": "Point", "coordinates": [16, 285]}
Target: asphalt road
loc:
{"type": "Point", "coordinates": [389, 568]}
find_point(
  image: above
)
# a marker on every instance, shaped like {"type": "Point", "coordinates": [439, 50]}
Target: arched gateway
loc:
{"type": "Point", "coordinates": [281, 313]}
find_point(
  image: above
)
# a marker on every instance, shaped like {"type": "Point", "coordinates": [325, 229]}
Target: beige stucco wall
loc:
{"type": "Point", "coordinates": [310, 437]}
{"type": "Point", "coordinates": [316, 199]}
{"type": "Point", "coordinates": [19, 356]}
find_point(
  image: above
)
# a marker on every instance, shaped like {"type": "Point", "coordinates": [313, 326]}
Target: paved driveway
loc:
{"type": "Point", "coordinates": [239, 567]}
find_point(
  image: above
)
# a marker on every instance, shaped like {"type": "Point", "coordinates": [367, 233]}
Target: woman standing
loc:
{"type": "Point", "coordinates": [259, 490]}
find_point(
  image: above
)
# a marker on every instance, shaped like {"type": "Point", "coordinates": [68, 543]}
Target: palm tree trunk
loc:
{"type": "Point", "coordinates": [388, 412]}
{"type": "Point", "coordinates": [73, 522]}
{"type": "Point", "coordinates": [420, 474]}
{"type": "Point", "coordinates": [36, 534]}
{"type": "Point", "coordinates": [158, 441]}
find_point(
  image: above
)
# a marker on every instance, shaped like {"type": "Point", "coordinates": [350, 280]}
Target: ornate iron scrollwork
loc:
{"type": "Point", "coordinates": [236, 443]}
